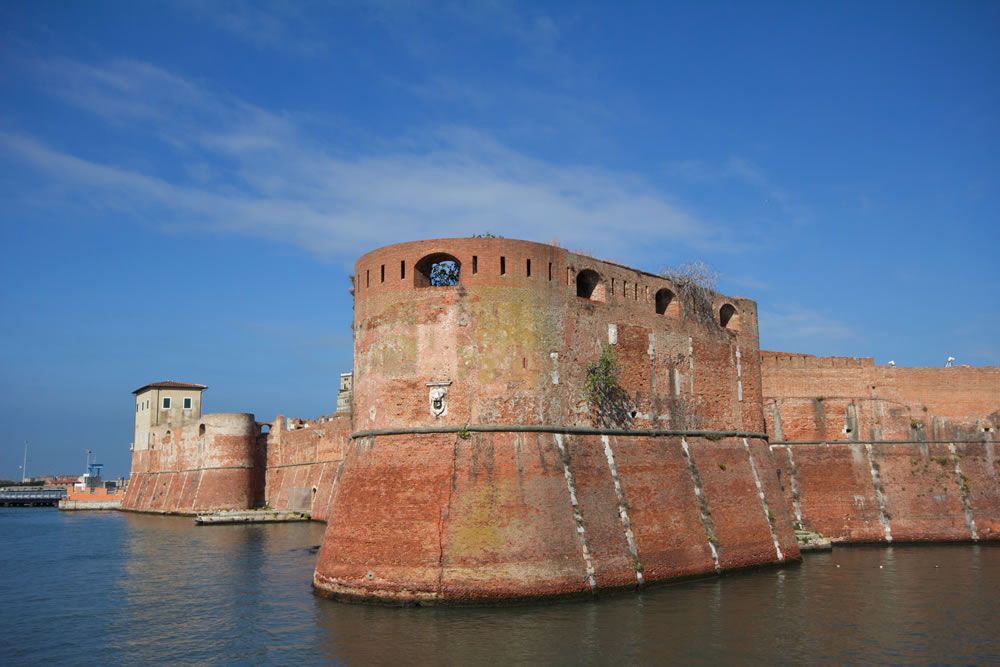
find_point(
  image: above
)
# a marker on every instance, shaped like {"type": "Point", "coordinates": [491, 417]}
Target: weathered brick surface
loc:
{"type": "Point", "coordinates": [742, 530]}
{"type": "Point", "coordinates": [439, 517]}
{"type": "Point", "coordinates": [303, 457]}
{"type": "Point", "coordinates": [186, 471]}
{"type": "Point", "coordinates": [888, 430]}
{"type": "Point", "coordinates": [836, 492]}
{"type": "Point", "coordinates": [922, 491]}
{"type": "Point", "coordinates": [663, 508]}
{"type": "Point", "coordinates": [809, 398]}
{"type": "Point", "coordinates": [981, 468]}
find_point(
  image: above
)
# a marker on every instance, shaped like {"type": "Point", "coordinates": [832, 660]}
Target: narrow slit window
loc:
{"type": "Point", "coordinates": [503, 265]}
{"type": "Point", "coordinates": [528, 268]}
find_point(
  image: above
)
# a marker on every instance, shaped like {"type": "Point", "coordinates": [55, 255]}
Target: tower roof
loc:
{"type": "Point", "coordinates": [170, 384]}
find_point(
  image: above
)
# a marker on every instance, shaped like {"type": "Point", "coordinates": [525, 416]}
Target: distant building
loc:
{"type": "Point", "coordinates": [344, 393]}
{"type": "Point", "coordinates": [170, 403]}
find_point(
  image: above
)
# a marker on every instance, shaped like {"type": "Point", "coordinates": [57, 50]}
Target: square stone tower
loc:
{"type": "Point", "coordinates": [169, 402]}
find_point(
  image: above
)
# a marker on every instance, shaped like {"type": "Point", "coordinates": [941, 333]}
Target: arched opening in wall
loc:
{"type": "Point", "coordinates": [665, 302]}
{"type": "Point", "coordinates": [437, 270]}
{"type": "Point", "coordinates": [728, 317]}
{"type": "Point", "coordinates": [589, 285]}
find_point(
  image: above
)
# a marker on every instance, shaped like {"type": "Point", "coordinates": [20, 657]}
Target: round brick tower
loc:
{"type": "Point", "coordinates": [481, 469]}
{"type": "Point", "coordinates": [208, 464]}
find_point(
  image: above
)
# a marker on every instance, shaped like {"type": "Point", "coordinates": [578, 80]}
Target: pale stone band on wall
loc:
{"type": "Point", "coordinates": [555, 428]}
{"type": "Point", "coordinates": [783, 443]}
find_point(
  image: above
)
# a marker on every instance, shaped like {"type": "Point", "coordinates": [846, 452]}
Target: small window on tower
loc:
{"type": "Point", "coordinates": [166, 402]}
{"type": "Point", "coordinates": [187, 403]}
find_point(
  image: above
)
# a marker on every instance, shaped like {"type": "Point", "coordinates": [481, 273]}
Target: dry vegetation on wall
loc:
{"type": "Point", "coordinates": [695, 283]}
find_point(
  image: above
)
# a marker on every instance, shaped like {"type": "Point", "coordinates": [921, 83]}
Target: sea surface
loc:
{"type": "Point", "coordinates": [112, 588]}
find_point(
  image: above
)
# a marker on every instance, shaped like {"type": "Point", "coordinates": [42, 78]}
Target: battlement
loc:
{"type": "Point", "coordinates": [778, 360]}
{"type": "Point", "coordinates": [508, 263]}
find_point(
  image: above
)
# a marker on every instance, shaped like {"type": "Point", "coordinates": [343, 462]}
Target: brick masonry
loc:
{"type": "Point", "coordinates": [536, 504]}
{"type": "Point", "coordinates": [210, 465]}
{"type": "Point", "coordinates": [469, 465]}
{"type": "Point", "coordinates": [872, 453]}
{"type": "Point", "coordinates": [303, 461]}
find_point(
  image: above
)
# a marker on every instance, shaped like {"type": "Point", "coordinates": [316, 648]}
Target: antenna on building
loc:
{"type": "Point", "coordinates": [950, 362]}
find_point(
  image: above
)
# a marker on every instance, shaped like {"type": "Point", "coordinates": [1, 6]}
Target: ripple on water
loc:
{"type": "Point", "coordinates": [153, 589]}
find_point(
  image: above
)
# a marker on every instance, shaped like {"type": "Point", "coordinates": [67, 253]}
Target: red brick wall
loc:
{"type": "Point", "coordinates": [187, 472]}
{"type": "Point", "coordinates": [917, 464]}
{"type": "Point", "coordinates": [303, 458]}
{"type": "Point", "coordinates": [807, 398]}
{"type": "Point", "coordinates": [902, 492]}
{"type": "Point", "coordinates": [488, 515]}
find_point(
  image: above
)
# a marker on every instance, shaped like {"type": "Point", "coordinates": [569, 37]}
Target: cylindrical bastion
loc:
{"type": "Point", "coordinates": [202, 466]}
{"type": "Point", "coordinates": [479, 468]}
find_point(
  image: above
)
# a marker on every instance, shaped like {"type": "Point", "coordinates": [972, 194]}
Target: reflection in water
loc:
{"type": "Point", "coordinates": [126, 588]}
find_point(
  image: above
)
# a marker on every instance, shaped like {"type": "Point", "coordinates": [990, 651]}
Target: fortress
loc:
{"type": "Point", "coordinates": [473, 461]}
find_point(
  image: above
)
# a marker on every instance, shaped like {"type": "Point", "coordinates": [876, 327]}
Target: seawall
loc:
{"type": "Point", "coordinates": [303, 459]}
{"type": "Point", "coordinates": [508, 516]}
{"type": "Point", "coordinates": [208, 465]}
{"type": "Point", "coordinates": [881, 454]}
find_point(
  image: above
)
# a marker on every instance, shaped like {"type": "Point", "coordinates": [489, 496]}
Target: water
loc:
{"type": "Point", "coordinates": [118, 588]}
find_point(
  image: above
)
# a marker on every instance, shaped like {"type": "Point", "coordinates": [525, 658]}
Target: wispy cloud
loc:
{"type": "Point", "coordinates": [794, 322]}
{"type": "Point", "coordinates": [743, 171]}
{"type": "Point", "coordinates": [249, 170]}
{"type": "Point", "coordinates": [275, 25]}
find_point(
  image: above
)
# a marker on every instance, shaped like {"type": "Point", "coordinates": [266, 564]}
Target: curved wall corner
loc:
{"type": "Point", "coordinates": [209, 465]}
{"type": "Point", "coordinates": [479, 471]}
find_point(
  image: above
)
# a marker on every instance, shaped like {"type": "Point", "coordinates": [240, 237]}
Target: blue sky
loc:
{"type": "Point", "coordinates": [187, 184]}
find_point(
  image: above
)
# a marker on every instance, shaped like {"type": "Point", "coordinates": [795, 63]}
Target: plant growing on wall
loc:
{"type": "Point", "coordinates": [603, 392]}
{"type": "Point", "coordinates": [695, 283]}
